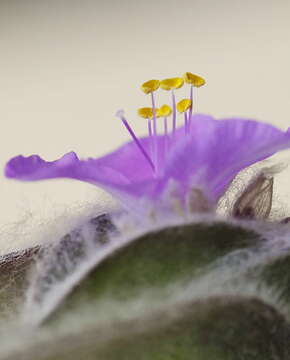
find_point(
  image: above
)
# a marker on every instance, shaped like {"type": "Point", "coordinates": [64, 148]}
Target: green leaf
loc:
{"type": "Point", "coordinates": [277, 276]}
{"type": "Point", "coordinates": [157, 260]}
{"type": "Point", "coordinates": [87, 323]}
{"type": "Point", "coordinates": [220, 328]}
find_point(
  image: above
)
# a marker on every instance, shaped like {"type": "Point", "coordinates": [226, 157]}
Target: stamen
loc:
{"type": "Point", "coordinates": [154, 114]}
{"type": "Point", "coordinates": [148, 88]}
{"type": "Point", "coordinates": [165, 127]}
{"type": "Point", "coordinates": [165, 111]}
{"type": "Point", "coordinates": [147, 113]}
{"type": "Point", "coordinates": [120, 115]}
{"type": "Point", "coordinates": [166, 141]}
{"type": "Point", "coordinates": [194, 81]}
{"type": "Point", "coordinates": [149, 128]}
{"type": "Point", "coordinates": [174, 113]}
{"type": "Point", "coordinates": [191, 106]}
{"type": "Point", "coordinates": [182, 106]}
{"type": "Point", "coordinates": [172, 84]}
{"type": "Point", "coordinates": [186, 125]}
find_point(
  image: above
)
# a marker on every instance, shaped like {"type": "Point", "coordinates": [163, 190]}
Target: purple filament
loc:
{"type": "Point", "coordinates": [186, 124]}
{"type": "Point", "coordinates": [165, 126]}
{"type": "Point", "coordinates": [165, 132]}
{"type": "Point", "coordinates": [137, 142]}
{"type": "Point", "coordinates": [149, 128]}
{"type": "Point", "coordinates": [174, 113]}
{"type": "Point", "coordinates": [150, 136]}
{"type": "Point", "coordinates": [155, 154]}
{"type": "Point", "coordinates": [191, 99]}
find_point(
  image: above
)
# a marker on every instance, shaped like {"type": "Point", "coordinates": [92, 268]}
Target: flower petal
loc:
{"type": "Point", "coordinates": [69, 166]}
{"type": "Point", "coordinates": [216, 150]}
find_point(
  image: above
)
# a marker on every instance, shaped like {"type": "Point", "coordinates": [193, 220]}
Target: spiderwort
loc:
{"type": "Point", "coordinates": [200, 158]}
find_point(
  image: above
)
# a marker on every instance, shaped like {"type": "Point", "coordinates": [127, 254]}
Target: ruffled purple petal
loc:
{"type": "Point", "coordinates": [69, 166]}
{"type": "Point", "coordinates": [125, 165]}
{"type": "Point", "coordinates": [217, 150]}
{"type": "Point", "coordinates": [35, 168]}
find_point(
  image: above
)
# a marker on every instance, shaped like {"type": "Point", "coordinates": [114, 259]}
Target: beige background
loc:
{"type": "Point", "coordinates": [67, 66]}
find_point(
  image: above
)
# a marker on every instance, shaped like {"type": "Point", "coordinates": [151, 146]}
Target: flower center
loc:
{"type": "Point", "coordinates": [166, 112]}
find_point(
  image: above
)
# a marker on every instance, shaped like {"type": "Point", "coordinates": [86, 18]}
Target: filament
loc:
{"type": "Point", "coordinates": [120, 114]}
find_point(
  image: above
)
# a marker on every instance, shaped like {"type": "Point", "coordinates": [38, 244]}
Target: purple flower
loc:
{"type": "Point", "coordinates": [204, 154]}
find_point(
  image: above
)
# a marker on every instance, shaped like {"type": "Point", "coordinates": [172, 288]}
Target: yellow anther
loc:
{"type": "Point", "coordinates": [146, 112]}
{"type": "Point", "coordinates": [164, 111]}
{"type": "Point", "coordinates": [158, 114]}
{"type": "Point", "coordinates": [193, 79]}
{"type": "Point", "coordinates": [150, 86]}
{"type": "Point", "coordinates": [170, 84]}
{"type": "Point", "coordinates": [183, 105]}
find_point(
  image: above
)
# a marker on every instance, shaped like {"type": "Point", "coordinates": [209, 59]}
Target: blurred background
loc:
{"type": "Point", "coordinates": [66, 66]}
